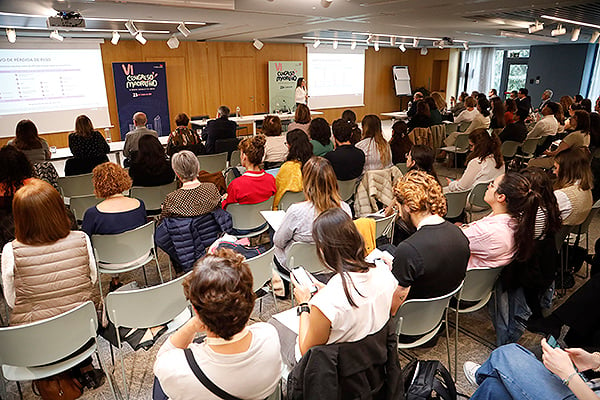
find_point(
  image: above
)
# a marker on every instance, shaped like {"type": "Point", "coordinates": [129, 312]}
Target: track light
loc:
{"type": "Point", "coordinates": [115, 38]}
{"type": "Point", "coordinates": [424, 51]}
{"type": "Point", "coordinates": [353, 45]}
{"type": "Point", "coordinates": [335, 44]}
{"type": "Point", "coordinates": [173, 42]}
{"type": "Point", "coordinates": [393, 41]}
{"type": "Point", "coordinates": [317, 43]}
{"type": "Point", "coordinates": [326, 3]}
{"type": "Point", "coordinates": [183, 29]}
{"type": "Point", "coordinates": [257, 44]}
{"type": "Point", "coordinates": [402, 48]}
{"type": "Point", "coordinates": [560, 30]}
{"type": "Point", "coordinates": [538, 26]}
{"type": "Point", "coordinates": [575, 34]}
{"type": "Point", "coordinates": [370, 38]}
{"type": "Point", "coordinates": [466, 45]}
{"type": "Point", "coordinates": [131, 27]}
{"type": "Point", "coordinates": [415, 42]}
{"type": "Point", "coordinates": [11, 35]}
{"type": "Point", "coordinates": [56, 36]}
{"type": "Point", "coordinates": [595, 37]}
{"type": "Point", "coordinates": [140, 38]}
{"type": "Point", "coordinates": [376, 46]}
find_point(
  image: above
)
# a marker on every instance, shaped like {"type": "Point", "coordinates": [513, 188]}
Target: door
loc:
{"type": "Point", "coordinates": [514, 72]}
{"type": "Point", "coordinates": [238, 84]}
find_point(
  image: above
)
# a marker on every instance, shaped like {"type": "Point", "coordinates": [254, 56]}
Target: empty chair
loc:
{"type": "Point", "coordinates": [509, 149]}
{"type": "Point", "coordinates": [213, 162]}
{"type": "Point", "coordinates": [152, 196]}
{"type": "Point", "coordinates": [76, 185]}
{"type": "Point", "coordinates": [145, 308]}
{"type": "Point", "coordinates": [125, 251]}
{"type": "Point", "coordinates": [247, 220]}
{"type": "Point", "coordinates": [456, 202]}
{"type": "Point", "coordinates": [290, 198]}
{"type": "Point", "coordinates": [347, 189]}
{"type": "Point", "coordinates": [475, 199]}
{"type": "Point", "coordinates": [528, 149]}
{"type": "Point", "coordinates": [461, 146]}
{"type": "Point", "coordinates": [78, 205]}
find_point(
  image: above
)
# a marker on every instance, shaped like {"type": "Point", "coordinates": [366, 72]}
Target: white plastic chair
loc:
{"type": "Point", "coordinates": [461, 146]}
{"type": "Point", "coordinates": [125, 251]}
{"type": "Point", "coordinates": [152, 196]}
{"type": "Point", "coordinates": [347, 189]}
{"type": "Point", "coordinates": [262, 271]}
{"type": "Point", "coordinates": [290, 198]}
{"type": "Point", "coordinates": [45, 348]}
{"type": "Point", "coordinates": [528, 149]}
{"type": "Point", "coordinates": [213, 162]}
{"type": "Point", "coordinates": [79, 204]}
{"type": "Point", "coordinates": [76, 185]}
{"type": "Point", "coordinates": [475, 199]}
{"type": "Point", "coordinates": [305, 255]}
{"type": "Point", "coordinates": [509, 148]}
{"type": "Point", "coordinates": [584, 228]}
{"type": "Point", "coordinates": [455, 203]}
{"type": "Point", "coordinates": [145, 308]}
{"type": "Point", "coordinates": [235, 158]}
{"type": "Point", "coordinates": [385, 227]}
{"type": "Point", "coordinates": [247, 217]}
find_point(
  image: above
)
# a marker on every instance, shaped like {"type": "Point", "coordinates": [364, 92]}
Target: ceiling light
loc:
{"type": "Point", "coordinates": [538, 26]}
{"type": "Point", "coordinates": [575, 34]}
{"type": "Point", "coordinates": [376, 45]}
{"type": "Point", "coordinates": [570, 21]}
{"type": "Point", "coordinates": [326, 3]}
{"type": "Point", "coordinates": [353, 45]}
{"type": "Point", "coordinates": [393, 41]}
{"type": "Point", "coordinates": [317, 43]}
{"type": "Point", "coordinates": [424, 51]}
{"type": "Point", "coordinates": [140, 38]}
{"type": "Point", "coordinates": [595, 37]}
{"type": "Point", "coordinates": [415, 42]}
{"type": "Point", "coordinates": [370, 38]}
{"type": "Point", "coordinates": [56, 36]}
{"type": "Point", "coordinates": [466, 45]}
{"type": "Point", "coordinates": [173, 42]}
{"type": "Point", "coordinates": [560, 30]}
{"type": "Point", "coordinates": [131, 27]}
{"type": "Point", "coordinates": [115, 37]}
{"type": "Point", "coordinates": [183, 29]}
{"type": "Point", "coordinates": [518, 35]}
{"type": "Point", "coordinates": [335, 44]}
{"type": "Point", "coordinates": [258, 45]}
{"type": "Point", "coordinates": [402, 47]}
{"type": "Point", "coordinates": [11, 35]}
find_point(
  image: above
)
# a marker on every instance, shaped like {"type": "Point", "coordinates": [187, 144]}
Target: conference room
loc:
{"type": "Point", "coordinates": [111, 60]}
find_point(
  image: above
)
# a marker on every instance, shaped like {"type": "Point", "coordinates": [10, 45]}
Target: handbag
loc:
{"type": "Point", "coordinates": [62, 386]}
{"type": "Point", "coordinates": [217, 391]}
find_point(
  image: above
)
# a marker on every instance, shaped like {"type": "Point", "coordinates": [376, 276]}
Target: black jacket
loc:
{"type": "Point", "coordinates": [220, 128]}
{"type": "Point", "coordinates": [367, 369]}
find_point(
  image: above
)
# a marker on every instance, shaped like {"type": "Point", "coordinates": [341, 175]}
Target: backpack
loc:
{"type": "Point", "coordinates": [425, 380]}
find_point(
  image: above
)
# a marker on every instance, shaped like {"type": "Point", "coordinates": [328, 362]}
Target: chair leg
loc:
{"type": "Point", "coordinates": [448, 342]}
{"type": "Point", "coordinates": [145, 277]}
{"type": "Point", "coordinates": [158, 266]}
{"type": "Point", "coordinates": [100, 285]}
{"type": "Point", "coordinates": [20, 391]}
{"type": "Point", "coordinates": [122, 363]}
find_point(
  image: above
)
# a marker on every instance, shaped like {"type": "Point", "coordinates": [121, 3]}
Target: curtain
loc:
{"type": "Point", "coordinates": [594, 91]}
{"type": "Point", "coordinates": [481, 67]}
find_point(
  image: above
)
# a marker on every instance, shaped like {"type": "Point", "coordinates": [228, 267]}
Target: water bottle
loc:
{"type": "Point", "coordinates": [107, 135]}
{"type": "Point", "coordinates": [237, 111]}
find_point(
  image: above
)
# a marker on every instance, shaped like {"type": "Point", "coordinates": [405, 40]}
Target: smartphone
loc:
{"type": "Point", "coordinates": [303, 278]}
{"type": "Point", "coordinates": [552, 342]}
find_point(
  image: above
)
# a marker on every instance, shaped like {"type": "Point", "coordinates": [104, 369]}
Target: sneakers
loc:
{"type": "Point", "coordinates": [470, 368]}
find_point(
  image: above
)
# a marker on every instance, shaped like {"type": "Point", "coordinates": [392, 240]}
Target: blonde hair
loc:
{"type": "Point", "coordinates": [372, 129]}
{"type": "Point", "coordinates": [320, 184]}
{"type": "Point", "coordinates": [420, 192]}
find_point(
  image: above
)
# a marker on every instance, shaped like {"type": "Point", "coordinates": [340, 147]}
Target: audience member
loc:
{"type": "Point", "coordinates": [460, 106]}
{"type": "Point", "coordinates": [321, 193]}
{"type": "Point", "coordinates": [289, 177]}
{"type": "Point", "coordinates": [594, 133]}
{"type": "Point", "coordinates": [466, 116]}
{"type": "Point", "coordinates": [300, 95]}
{"type": "Point", "coordinates": [15, 171]}
{"type": "Point", "coordinates": [514, 95]}
{"type": "Point", "coordinates": [524, 100]}
{"type": "Point", "coordinates": [150, 166]}
{"type": "Point", "coordinates": [220, 291]}
{"type": "Point", "coordinates": [566, 102]}
{"type": "Point", "coordinates": [433, 260]}
{"type": "Point", "coordinates": [184, 138]}
{"type": "Point", "coordinates": [597, 105]}
{"type": "Point", "coordinates": [276, 149]}
{"type": "Point", "coordinates": [511, 109]}
{"type": "Point", "coordinates": [484, 163]}
{"type": "Point", "coordinates": [132, 138]}
{"type": "Point", "coordinates": [546, 97]}
{"type": "Point", "coordinates": [421, 158]}
{"type": "Point", "coordinates": [440, 103]}
{"type": "Point", "coordinates": [422, 118]}
{"type": "Point", "coordinates": [400, 143]}
{"type": "Point", "coordinates": [586, 104]}
{"type": "Point", "coordinates": [219, 128]}
{"type": "Point", "coordinates": [517, 130]}
{"type": "Point", "coordinates": [577, 98]}
{"type": "Point", "coordinates": [320, 136]}
{"type": "Point", "coordinates": [435, 117]}
{"type": "Point", "coordinates": [193, 198]}
{"type": "Point", "coordinates": [417, 96]}
{"type": "Point", "coordinates": [347, 161]}
{"type": "Point", "coordinates": [255, 185]}
{"type": "Point", "coordinates": [378, 154]}
{"type": "Point", "coordinates": [301, 119]}
{"type": "Point", "coordinates": [573, 184]}
{"type": "Point", "coordinates": [548, 125]}
{"type": "Point", "coordinates": [497, 120]}
{"type": "Point", "coordinates": [492, 94]}
{"type": "Point", "coordinates": [507, 233]}
{"type": "Point", "coordinates": [350, 117]}
{"type": "Point", "coordinates": [88, 146]}
{"type": "Point", "coordinates": [482, 118]}
{"type": "Point", "coordinates": [29, 142]}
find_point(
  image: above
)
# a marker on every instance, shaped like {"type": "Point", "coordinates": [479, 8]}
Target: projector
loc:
{"type": "Point", "coordinates": [66, 19]}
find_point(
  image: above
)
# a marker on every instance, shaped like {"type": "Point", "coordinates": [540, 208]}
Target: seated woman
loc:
{"type": "Point", "coordinates": [321, 193]}
{"type": "Point", "coordinates": [422, 119]}
{"type": "Point", "coordinates": [255, 185]}
{"type": "Point", "coordinates": [320, 136]}
{"type": "Point", "coordinates": [220, 291]}
{"type": "Point", "coordinates": [482, 117]}
{"type": "Point", "coordinates": [88, 146]}
{"type": "Point", "coordinates": [357, 300]}
{"type": "Point", "coordinates": [510, 108]}
{"type": "Point", "coordinates": [276, 149]}
{"type": "Point", "coordinates": [184, 138]}
{"type": "Point", "coordinates": [435, 116]}
{"type": "Point", "coordinates": [29, 142]}
{"type": "Point", "coordinates": [193, 198]}
{"type": "Point", "coordinates": [573, 185]}
{"type": "Point", "coordinates": [378, 154]}
{"type": "Point", "coordinates": [484, 163]}
{"type": "Point", "coordinates": [350, 117]}
{"type": "Point", "coordinates": [497, 120]}
{"type": "Point", "coordinates": [301, 119]}
{"type": "Point", "coordinates": [400, 144]}
{"type": "Point", "coordinates": [15, 171]}
{"type": "Point", "coordinates": [507, 233]}
{"type": "Point", "coordinates": [289, 177]}
{"type": "Point", "coordinates": [149, 165]}
{"type": "Point", "coordinates": [421, 158]}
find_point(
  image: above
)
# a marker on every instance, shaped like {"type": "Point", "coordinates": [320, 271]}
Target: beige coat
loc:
{"type": "Point", "coordinates": [375, 186]}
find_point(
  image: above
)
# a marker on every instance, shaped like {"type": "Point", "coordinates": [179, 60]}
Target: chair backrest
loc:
{"type": "Point", "coordinates": [261, 267]}
{"type": "Point", "coordinates": [347, 188]}
{"type": "Point", "coordinates": [204, 117]}
{"type": "Point", "coordinates": [76, 185]}
{"type": "Point", "coordinates": [477, 193]}
{"type": "Point", "coordinates": [585, 225]}
{"type": "Point", "coordinates": [213, 162]}
{"type": "Point", "coordinates": [463, 126]}
{"type": "Point", "coordinates": [148, 307]}
{"type": "Point", "coordinates": [385, 226]}
{"type": "Point", "coordinates": [563, 232]}
{"type": "Point", "coordinates": [47, 341]}
{"type": "Point", "coordinates": [451, 128]}
{"type": "Point", "coordinates": [421, 316]}
{"type": "Point", "coordinates": [529, 146]}
{"type": "Point", "coordinates": [124, 247]}
{"type": "Point", "coordinates": [247, 216]}
{"type": "Point", "coordinates": [290, 198]}
{"type": "Point", "coordinates": [509, 148]}
{"type": "Point", "coordinates": [456, 202]}
{"type": "Point", "coordinates": [462, 142]}
{"type": "Point", "coordinates": [438, 133]}
{"type": "Point", "coordinates": [152, 196]}
{"type": "Point", "coordinates": [479, 282]}
{"type": "Point", "coordinates": [421, 136]}
{"type": "Point", "coordinates": [304, 254]}
{"type": "Point", "coordinates": [235, 159]}
{"type": "Point", "coordinates": [402, 167]}
{"type": "Point", "coordinates": [79, 204]}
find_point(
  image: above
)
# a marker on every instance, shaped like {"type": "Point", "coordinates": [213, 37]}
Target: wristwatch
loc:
{"type": "Point", "coordinates": [303, 308]}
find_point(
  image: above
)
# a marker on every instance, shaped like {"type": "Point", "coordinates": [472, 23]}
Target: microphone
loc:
{"type": "Point", "coordinates": [286, 107]}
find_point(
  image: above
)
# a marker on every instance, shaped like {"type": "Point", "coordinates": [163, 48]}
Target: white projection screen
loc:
{"type": "Point", "coordinates": [336, 78]}
{"type": "Point", "coordinates": [51, 84]}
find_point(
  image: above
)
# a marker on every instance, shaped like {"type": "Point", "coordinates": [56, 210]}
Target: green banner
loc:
{"type": "Point", "coordinates": [283, 76]}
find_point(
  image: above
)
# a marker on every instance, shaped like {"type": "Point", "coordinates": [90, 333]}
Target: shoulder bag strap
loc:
{"type": "Point", "coordinates": [217, 391]}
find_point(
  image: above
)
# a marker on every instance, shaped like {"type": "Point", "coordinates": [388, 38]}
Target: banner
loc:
{"type": "Point", "coordinates": [142, 86]}
{"type": "Point", "coordinates": [283, 76]}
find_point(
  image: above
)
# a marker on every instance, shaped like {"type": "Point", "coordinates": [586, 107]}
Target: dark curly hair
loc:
{"type": "Point", "coordinates": [319, 130]}
{"type": "Point", "coordinates": [220, 290]}
{"type": "Point", "coordinates": [14, 169]}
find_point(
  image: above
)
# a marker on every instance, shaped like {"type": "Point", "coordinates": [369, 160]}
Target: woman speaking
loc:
{"type": "Point", "coordinates": [301, 95]}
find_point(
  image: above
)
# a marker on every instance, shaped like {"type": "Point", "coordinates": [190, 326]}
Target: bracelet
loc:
{"type": "Point", "coordinates": [566, 381]}
{"type": "Point", "coordinates": [302, 304]}
{"type": "Point", "coordinates": [597, 356]}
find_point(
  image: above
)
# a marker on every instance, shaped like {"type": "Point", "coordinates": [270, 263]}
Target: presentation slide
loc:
{"type": "Point", "coordinates": [336, 78]}
{"type": "Point", "coordinates": [51, 87]}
